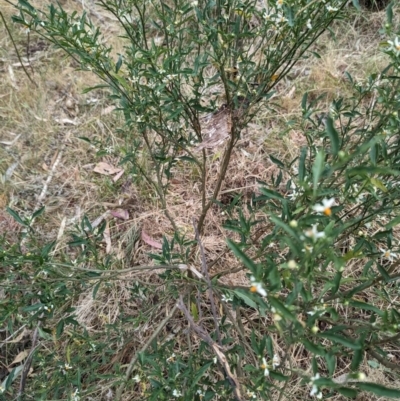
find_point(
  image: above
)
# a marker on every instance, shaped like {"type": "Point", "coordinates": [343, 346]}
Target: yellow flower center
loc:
{"type": "Point", "coordinates": [327, 211]}
{"type": "Point", "coordinates": [253, 288]}
{"type": "Point", "coordinates": [263, 366]}
{"type": "Point", "coordinates": [387, 254]}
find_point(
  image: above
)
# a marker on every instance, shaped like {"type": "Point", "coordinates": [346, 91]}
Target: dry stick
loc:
{"type": "Point", "coordinates": [383, 361]}
{"type": "Point", "coordinates": [27, 364]}
{"type": "Point", "coordinates": [215, 347]}
{"type": "Point", "coordinates": [144, 348]}
{"type": "Point", "coordinates": [209, 285]}
{"type": "Point", "coordinates": [16, 50]}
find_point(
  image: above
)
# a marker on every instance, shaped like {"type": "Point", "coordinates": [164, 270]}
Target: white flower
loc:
{"type": "Point", "coordinates": [309, 26]}
{"type": "Point", "coordinates": [176, 393]}
{"type": "Point", "coordinates": [267, 16]}
{"type": "Point", "coordinates": [279, 3]}
{"type": "Point", "coordinates": [136, 378]}
{"type": "Point", "coordinates": [171, 358]}
{"type": "Point", "coordinates": [314, 233]}
{"type": "Point", "coordinates": [292, 264]}
{"type": "Point", "coordinates": [276, 361]}
{"type": "Point", "coordinates": [331, 9]}
{"type": "Point", "coordinates": [225, 298]}
{"type": "Point", "coordinates": [280, 19]}
{"type": "Point", "coordinates": [326, 206]}
{"type": "Point", "coordinates": [76, 395]}
{"type": "Point", "coordinates": [388, 254]}
{"type": "Point", "coordinates": [264, 367]}
{"type": "Point", "coordinates": [316, 309]}
{"type": "Point", "coordinates": [195, 3]}
{"type": "Point", "coordinates": [394, 45]}
{"type": "Point", "coordinates": [2, 389]}
{"type": "Point", "coordinates": [314, 389]}
{"type": "Point", "coordinates": [251, 394]}
{"type": "Point", "coordinates": [257, 287]}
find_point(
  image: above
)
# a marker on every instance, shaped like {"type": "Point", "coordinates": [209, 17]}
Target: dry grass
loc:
{"type": "Point", "coordinates": [42, 123]}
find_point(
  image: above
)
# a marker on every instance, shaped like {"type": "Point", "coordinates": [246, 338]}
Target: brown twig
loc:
{"type": "Point", "coordinates": [216, 349]}
{"type": "Point", "coordinates": [207, 278]}
{"type": "Point", "coordinates": [28, 363]}
{"type": "Point", "coordinates": [143, 349]}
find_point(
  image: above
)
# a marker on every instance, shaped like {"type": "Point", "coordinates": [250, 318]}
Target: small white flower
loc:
{"type": "Point", "coordinates": [276, 361]}
{"type": "Point", "coordinates": [140, 119]}
{"type": "Point", "coordinates": [176, 393]}
{"type": "Point", "coordinates": [394, 45]}
{"type": "Point", "coordinates": [225, 298]}
{"type": "Point", "coordinates": [2, 389]}
{"type": "Point", "coordinates": [136, 378]}
{"type": "Point", "coordinates": [388, 254]}
{"type": "Point", "coordinates": [171, 358]}
{"type": "Point", "coordinates": [109, 149]}
{"type": "Point", "coordinates": [292, 264]}
{"type": "Point", "coordinates": [331, 9]}
{"type": "Point", "coordinates": [279, 4]}
{"type": "Point", "coordinates": [264, 367]}
{"type": "Point", "coordinates": [314, 233]}
{"type": "Point", "coordinates": [317, 309]}
{"type": "Point", "coordinates": [267, 16]}
{"type": "Point", "coordinates": [251, 394]}
{"type": "Point", "coordinates": [309, 26]}
{"type": "Point", "coordinates": [75, 396]}
{"type": "Point", "coordinates": [280, 19]}
{"type": "Point", "coordinates": [195, 3]}
{"type": "Point", "coordinates": [257, 287]}
{"type": "Point", "coordinates": [314, 388]}
{"type": "Point", "coordinates": [326, 206]}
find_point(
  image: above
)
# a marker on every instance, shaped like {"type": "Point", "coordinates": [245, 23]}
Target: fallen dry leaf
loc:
{"type": "Point", "coordinates": [118, 176]}
{"type": "Point", "coordinates": [107, 238]}
{"type": "Point", "coordinates": [120, 214]}
{"type": "Point", "coordinates": [20, 357]}
{"type": "Point", "coordinates": [150, 241]}
{"type": "Point", "coordinates": [106, 169]}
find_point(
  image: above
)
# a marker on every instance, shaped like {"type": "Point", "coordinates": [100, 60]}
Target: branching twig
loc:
{"type": "Point", "coordinates": [16, 50]}
{"type": "Point", "coordinates": [216, 349]}
{"type": "Point", "coordinates": [28, 363]}
{"type": "Point", "coordinates": [143, 349]}
{"type": "Point", "coordinates": [209, 285]}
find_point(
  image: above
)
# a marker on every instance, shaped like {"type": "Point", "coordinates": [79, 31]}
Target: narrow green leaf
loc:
{"type": "Point", "coordinates": [271, 194]}
{"type": "Point", "coordinates": [356, 4]}
{"type": "Point", "coordinates": [278, 376]}
{"type": "Point", "coordinates": [317, 169]}
{"type": "Point", "coordinates": [383, 272]}
{"type": "Point", "coordinates": [38, 212]}
{"type": "Point", "coordinates": [389, 13]}
{"type": "Point", "coordinates": [16, 216]}
{"type": "Point", "coordinates": [356, 360]}
{"type": "Point", "coordinates": [302, 164]}
{"type": "Point", "coordinates": [380, 390]}
{"type": "Point", "coordinates": [282, 310]}
{"type": "Point", "coordinates": [347, 392]}
{"type": "Point", "coordinates": [393, 223]}
{"type": "Point", "coordinates": [242, 256]}
{"type": "Point", "coordinates": [246, 298]}
{"type": "Point", "coordinates": [331, 363]}
{"type": "Point", "coordinates": [333, 135]}
{"type": "Point", "coordinates": [276, 161]}
{"type": "Point", "coordinates": [341, 340]}
{"type": "Point", "coordinates": [313, 348]}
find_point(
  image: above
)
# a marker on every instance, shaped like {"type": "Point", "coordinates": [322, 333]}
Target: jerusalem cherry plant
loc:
{"type": "Point", "coordinates": [324, 272]}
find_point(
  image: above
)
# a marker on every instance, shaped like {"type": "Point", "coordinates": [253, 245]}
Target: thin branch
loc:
{"type": "Point", "coordinates": [216, 349]}
{"type": "Point", "coordinates": [16, 50]}
{"type": "Point", "coordinates": [209, 285]}
{"type": "Point", "coordinates": [143, 349]}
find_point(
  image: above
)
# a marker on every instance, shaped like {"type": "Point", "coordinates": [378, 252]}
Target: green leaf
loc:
{"type": "Point", "coordinates": [200, 373]}
{"type": "Point", "coordinates": [118, 64]}
{"type": "Point", "coordinates": [389, 13]}
{"type": "Point", "coordinates": [331, 363]}
{"type": "Point", "coordinates": [276, 161]}
{"type": "Point", "coordinates": [347, 392]}
{"type": "Point", "coordinates": [269, 194]}
{"type": "Point", "coordinates": [313, 348]}
{"type": "Point", "coordinates": [38, 212]}
{"type": "Point", "coordinates": [16, 217]}
{"type": "Point", "coordinates": [383, 272]}
{"type": "Point", "coordinates": [333, 135]}
{"type": "Point", "coordinates": [245, 297]}
{"type": "Point", "coordinates": [278, 376]}
{"type": "Point", "coordinates": [282, 310]}
{"type": "Point", "coordinates": [317, 169]}
{"type": "Point", "coordinates": [341, 340]}
{"type": "Point", "coordinates": [365, 306]}
{"type": "Point", "coordinates": [302, 164]}
{"type": "Point", "coordinates": [242, 256]}
{"type": "Point", "coordinates": [11, 377]}
{"type": "Point", "coordinates": [380, 390]}
{"type": "Point", "coordinates": [393, 223]}
{"type": "Point", "coordinates": [356, 360]}
{"type": "Point", "coordinates": [356, 4]}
